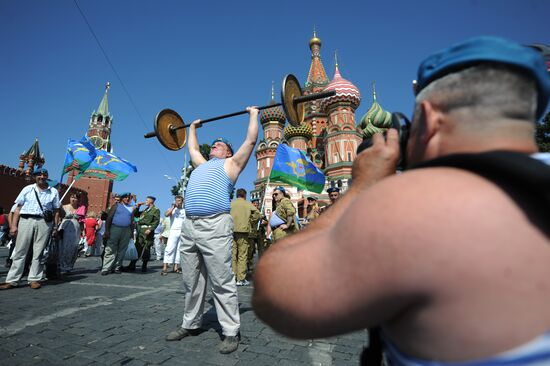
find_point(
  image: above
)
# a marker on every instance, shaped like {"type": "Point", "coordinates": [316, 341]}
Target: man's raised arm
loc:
{"type": "Point", "coordinates": [193, 144]}
{"type": "Point", "coordinates": [238, 161]}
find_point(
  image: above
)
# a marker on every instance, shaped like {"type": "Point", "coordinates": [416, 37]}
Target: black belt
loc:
{"type": "Point", "coordinates": [28, 216]}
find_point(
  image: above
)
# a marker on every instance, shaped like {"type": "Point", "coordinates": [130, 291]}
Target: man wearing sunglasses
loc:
{"type": "Point", "coordinates": [450, 258]}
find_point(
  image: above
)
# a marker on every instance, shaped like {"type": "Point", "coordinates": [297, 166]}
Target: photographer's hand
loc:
{"type": "Point", "coordinates": [376, 162]}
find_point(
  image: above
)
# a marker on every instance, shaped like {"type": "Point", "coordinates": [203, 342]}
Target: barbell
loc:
{"type": "Point", "coordinates": [171, 130]}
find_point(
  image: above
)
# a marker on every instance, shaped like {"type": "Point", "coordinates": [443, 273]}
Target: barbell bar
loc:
{"type": "Point", "coordinates": [170, 128]}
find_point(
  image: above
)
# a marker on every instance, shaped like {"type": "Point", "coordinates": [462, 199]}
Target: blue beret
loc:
{"type": "Point", "coordinates": [280, 188]}
{"type": "Point", "coordinates": [125, 194]}
{"type": "Point", "coordinates": [333, 189]}
{"type": "Point", "coordinates": [153, 198]}
{"type": "Point", "coordinates": [487, 49]}
{"type": "Point", "coordinates": [38, 171]}
{"type": "Point", "coordinates": [225, 141]}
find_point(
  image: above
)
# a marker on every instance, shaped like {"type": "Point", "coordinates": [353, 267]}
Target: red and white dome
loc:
{"type": "Point", "coordinates": [345, 91]}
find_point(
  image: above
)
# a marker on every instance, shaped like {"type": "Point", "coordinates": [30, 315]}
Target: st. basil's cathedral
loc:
{"type": "Point", "coordinates": [329, 134]}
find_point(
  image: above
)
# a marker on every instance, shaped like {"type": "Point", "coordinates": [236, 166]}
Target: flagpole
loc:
{"type": "Point", "coordinates": [67, 191]}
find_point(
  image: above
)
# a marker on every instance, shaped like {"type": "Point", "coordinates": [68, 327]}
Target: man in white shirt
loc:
{"type": "Point", "coordinates": [37, 213]}
{"type": "Point", "coordinates": [176, 213]}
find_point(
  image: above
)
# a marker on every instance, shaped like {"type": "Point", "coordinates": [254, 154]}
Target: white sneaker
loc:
{"type": "Point", "coordinates": [243, 283]}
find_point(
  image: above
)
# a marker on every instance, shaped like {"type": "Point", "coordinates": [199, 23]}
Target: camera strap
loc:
{"type": "Point", "coordinates": [39, 203]}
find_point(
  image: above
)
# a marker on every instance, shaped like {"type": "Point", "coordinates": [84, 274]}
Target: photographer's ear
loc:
{"type": "Point", "coordinates": [431, 120]}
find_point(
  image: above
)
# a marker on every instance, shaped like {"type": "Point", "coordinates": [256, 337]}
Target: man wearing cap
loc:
{"type": "Point", "coordinates": [147, 223]}
{"type": "Point", "coordinates": [118, 232]}
{"type": "Point", "coordinates": [333, 194]}
{"type": "Point", "coordinates": [34, 220]}
{"type": "Point", "coordinates": [207, 234]}
{"type": "Point", "coordinates": [450, 258]}
{"type": "Point", "coordinates": [283, 219]}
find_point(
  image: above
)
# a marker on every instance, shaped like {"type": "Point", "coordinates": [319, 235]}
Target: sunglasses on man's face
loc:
{"type": "Point", "coordinates": [275, 194]}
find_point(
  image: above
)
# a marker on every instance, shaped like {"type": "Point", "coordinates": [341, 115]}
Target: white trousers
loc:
{"type": "Point", "coordinates": [30, 231]}
{"type": "Point", "coordinates": [172, 251]}
{"type": "Point", "coordinates": [206, 254]}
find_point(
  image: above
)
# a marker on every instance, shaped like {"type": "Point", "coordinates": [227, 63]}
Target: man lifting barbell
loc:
{"type": "Point", "coordinates": [207, 234]}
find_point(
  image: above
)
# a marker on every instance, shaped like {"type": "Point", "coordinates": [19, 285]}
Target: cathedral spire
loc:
{"type": "Point", "coordinates": [374, 90]}
{"type": "Point", "coordinates": [317, 76]}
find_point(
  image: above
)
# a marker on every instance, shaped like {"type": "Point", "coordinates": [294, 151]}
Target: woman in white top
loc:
{"type": "Point", "coordinates": [172, 251]}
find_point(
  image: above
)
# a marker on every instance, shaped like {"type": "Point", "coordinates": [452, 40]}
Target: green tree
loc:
{"type": "Point", "coordinates": [542, 134]}
{"type": "Point", "coordinates": [175, 190]}
{"type": "Point", "coordinates": [205, 151]}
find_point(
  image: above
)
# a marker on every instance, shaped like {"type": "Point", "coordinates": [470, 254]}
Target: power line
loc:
{"type": "Point", "coordinates": [118, 77]}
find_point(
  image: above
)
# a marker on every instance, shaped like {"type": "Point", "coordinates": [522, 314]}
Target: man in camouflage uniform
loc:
{"type": "Point", "coordinates": [283, 219]}
{"type": "Point", "coordinates": [242, 212]}
{"type": "Point", "coordinates": [146, 225]}
{"type": "Point", "coordinates": [254, 235]}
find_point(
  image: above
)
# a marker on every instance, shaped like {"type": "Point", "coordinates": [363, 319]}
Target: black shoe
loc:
{"type": "Point", "coordinates": [104, 273]}
{"type": "Point", "coordinates": [117, 270]}
{"type": "Point", "coordinates": [144, 267]}
{"type": "Point", "coordinates": [128, 269]}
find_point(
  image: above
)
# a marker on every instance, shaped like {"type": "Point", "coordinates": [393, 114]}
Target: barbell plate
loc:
{"type": "Point", "coordinates": [170, 138]}
{"type": "Point", "coordinates": [295, 112]}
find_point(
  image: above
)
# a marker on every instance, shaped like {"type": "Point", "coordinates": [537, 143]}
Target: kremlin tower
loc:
{"type": "Point", "coordinates": [31, 160]}
{"type": "Point", "coordinates": [99, 134]}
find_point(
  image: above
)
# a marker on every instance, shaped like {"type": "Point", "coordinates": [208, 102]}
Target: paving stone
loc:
{"type": "Point", "coordinates": [132, 332]}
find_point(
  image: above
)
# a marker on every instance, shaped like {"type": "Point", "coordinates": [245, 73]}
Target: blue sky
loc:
{"type": "Point", "coordinates": [205, 58]}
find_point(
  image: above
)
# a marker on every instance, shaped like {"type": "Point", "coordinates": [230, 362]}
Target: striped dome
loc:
{"type": "Point", "coordinates": [345, 91]}
{"type": "Point", "coordinates": [376, 120]}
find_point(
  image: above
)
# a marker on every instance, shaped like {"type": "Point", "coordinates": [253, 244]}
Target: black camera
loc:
{"type": "Point", "coordinates": [48, 215]}
{"type": "Point", "coordinates": [403, 125]}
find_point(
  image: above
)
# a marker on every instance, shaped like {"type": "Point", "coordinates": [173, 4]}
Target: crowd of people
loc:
{"type": "Point", "coordinates": [445, 263]}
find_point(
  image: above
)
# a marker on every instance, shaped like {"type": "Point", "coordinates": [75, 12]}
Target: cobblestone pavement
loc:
{"type": "Point", "coordinates": [89, 319]}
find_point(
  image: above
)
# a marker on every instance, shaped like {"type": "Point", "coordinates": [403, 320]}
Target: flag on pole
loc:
{"type": "Point", "coordinates": [109, 166]}
{"type": "Point", "coordinates": [79, 156]}
{"type": "Point", "coordinates": [292, 166]}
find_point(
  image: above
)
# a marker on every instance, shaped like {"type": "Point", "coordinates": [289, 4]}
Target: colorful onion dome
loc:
{"type": "Point", "coordinates": [274, 113]}
{"type": "Point", "coordinates": [376, 119]}
{"type": "Point", "coordinates": [345, 91]}
{"type": "Point", "coordinates": [303, 130]}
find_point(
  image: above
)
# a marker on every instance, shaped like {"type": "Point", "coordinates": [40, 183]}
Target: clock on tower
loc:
{"type": "Point", "coordinates": [98, 142]}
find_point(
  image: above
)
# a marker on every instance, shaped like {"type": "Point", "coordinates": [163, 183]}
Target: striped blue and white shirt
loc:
{"type": "Point", "coordinates": [533, 353]}
{"type": "Point", "coordinates": [208, 190]}
{"type": "Point", "coordinates": [49, 198]}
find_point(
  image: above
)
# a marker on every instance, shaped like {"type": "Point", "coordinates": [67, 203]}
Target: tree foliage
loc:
{"type": "Point", "coordinates": [542, 134]}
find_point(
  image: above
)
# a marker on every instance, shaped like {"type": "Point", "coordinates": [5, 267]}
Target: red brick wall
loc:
{"type": "Point", "coordinates": [99, 192]}
{"type": "Point", "coordinates": [12, 181]}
